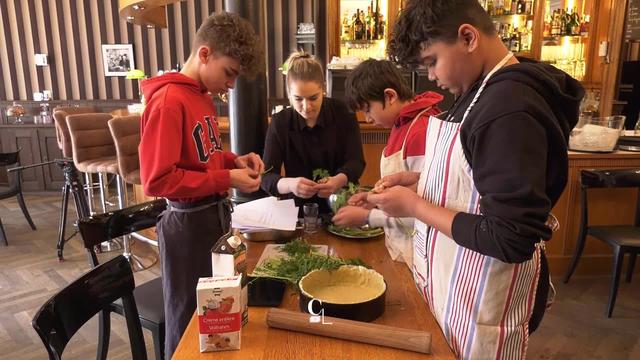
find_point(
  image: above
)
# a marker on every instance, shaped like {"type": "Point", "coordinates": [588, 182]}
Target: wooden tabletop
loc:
{"type": "Point", "coordinates": [405, 308]}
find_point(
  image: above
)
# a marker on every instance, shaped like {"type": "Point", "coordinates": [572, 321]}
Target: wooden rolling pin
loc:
{"type": "Point", "coordinates": [413, 340]}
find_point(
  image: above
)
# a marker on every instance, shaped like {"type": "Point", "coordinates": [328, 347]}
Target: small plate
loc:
{"type": "Point", "coordinates": [371, 234]}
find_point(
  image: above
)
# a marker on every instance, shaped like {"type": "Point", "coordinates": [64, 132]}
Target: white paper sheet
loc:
{"type": "Point", "coordinates": [265, 213]}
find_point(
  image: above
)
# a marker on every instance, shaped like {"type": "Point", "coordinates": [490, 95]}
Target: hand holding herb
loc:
{"type": "Point", "coordinates": [320, 176]}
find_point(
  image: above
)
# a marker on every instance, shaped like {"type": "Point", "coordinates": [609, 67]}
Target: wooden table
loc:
{"type": "Point", "coordinates": [405, 308]}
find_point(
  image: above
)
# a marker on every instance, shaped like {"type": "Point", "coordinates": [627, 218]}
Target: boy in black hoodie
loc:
{"type": "Point", "coordinates": [496, 165]}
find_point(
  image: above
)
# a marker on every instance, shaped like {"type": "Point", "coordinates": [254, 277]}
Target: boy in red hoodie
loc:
{"type": "Point", "coordinates": [378, 88]}
{"type": "Point", "coordinates": [181, 159]}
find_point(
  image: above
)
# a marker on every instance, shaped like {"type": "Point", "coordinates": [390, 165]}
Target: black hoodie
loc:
{"type": "Point", "coordinates": [515, 139]}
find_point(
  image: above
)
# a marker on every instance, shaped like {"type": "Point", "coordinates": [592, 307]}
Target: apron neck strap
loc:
{"type": "Point", "coordinates": [404, 142]}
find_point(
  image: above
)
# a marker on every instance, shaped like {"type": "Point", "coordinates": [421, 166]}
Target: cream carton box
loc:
{"type": "Point", "coordinates": [219, 313]}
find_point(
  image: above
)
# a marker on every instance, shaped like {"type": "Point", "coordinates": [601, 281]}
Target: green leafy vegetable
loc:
{"type": "Point", "coordinates": [363, 232]}
{"type": "Point", "coordinates": [297, 247]}
{"type": "Point", "coordinates": [341, 197]}
{"type": "Point", "coordinates": [319, 174]}
{"type": "Point", "coordinates": [299, 262]}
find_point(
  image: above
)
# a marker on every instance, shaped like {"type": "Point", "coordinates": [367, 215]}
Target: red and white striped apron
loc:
{"type": "Point", "coordinates": [482, 304]}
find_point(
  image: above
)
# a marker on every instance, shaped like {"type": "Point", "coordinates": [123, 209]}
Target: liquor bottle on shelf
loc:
{"type": "Point", "coordinates": [525, 39]}
{"type": "Point", "coordinates": [514, 42]}
{"type": "Point", "coordinates": [528, 7]}
{"type": "Point", "coordinates": [575, 29]}
{"type": "Point", "coordinates": [490, 9]}
{"type": "Point", "coordinates": [352, 28]}
{"type": "Point", "coordinates": [376, 21]}
{"type": "Point", "coordinates": [345, 25]}
{"type": "Point", "coordinates": [358, 27]}
{"type": "Point", "coordinates": [584, 26]}
{"type": "Point", "coordinates": [367, 24]}
{"type": "Point", "coordinates": [564, 20]}
{"type": "Point", "coordinates": [513, 8]}
{"type": "Point", "coordinates": [520, 7]}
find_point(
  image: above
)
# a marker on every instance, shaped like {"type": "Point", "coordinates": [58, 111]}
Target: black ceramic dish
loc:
{"type": "Point", "coordinates": [265, 292]}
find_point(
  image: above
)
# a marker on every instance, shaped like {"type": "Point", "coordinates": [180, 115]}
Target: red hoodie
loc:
{"type": "Point", "coordinates": [181, 155]}
{"type": "Point", "coordinates": [416, 139]}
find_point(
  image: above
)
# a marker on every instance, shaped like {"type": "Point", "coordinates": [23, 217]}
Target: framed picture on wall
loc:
{"type": "Point", "coordinates": [117, 59]}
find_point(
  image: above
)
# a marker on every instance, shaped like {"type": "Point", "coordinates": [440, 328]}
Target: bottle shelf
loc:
{"type": "Point", "coordinates": [527, 16]}
{"type": "Point", "coordinates": [360, 42]}
{"type": "Point", "coordinates": [525, 54]}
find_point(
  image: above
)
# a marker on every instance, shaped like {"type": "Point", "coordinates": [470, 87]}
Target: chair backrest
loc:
{"type": "Point", "coordinates": [126, 136]}
{"type": "Point", "coordinates": [608, 178]}
{"type": "Point", "coordinates": [8, 160]}
{"type": "Point", "coordinates": [63, 314]}
{"type": "Point", "coordinates": [62, 130]}
{"type": "Point", "coordinates": [90, 136]}
{"type": "Point", "coordinates": [106, 226]}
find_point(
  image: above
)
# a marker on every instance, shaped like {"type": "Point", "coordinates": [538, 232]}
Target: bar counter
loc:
{"type": "Point", "coordinates": [405, 308]}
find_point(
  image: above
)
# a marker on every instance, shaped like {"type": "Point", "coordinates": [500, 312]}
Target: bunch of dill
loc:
{"type": "Point", "coordinates": [300, 259]}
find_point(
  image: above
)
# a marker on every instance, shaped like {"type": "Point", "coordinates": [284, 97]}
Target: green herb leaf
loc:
{"type": "Point", "coordinates": [266, 171]}
{"type": "Point", "coordinates": [319, 174]}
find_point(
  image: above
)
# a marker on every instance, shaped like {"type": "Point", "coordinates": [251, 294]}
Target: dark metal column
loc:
{"type": "Point", "coordinates": [248, 100]}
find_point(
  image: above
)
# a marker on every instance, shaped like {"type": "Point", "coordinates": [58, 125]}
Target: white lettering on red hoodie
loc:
{"type": "Point", "coordinates": [181, 156]}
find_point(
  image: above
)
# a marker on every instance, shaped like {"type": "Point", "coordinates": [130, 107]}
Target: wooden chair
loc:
{"type": "Point", "coordinates": [622, 238]}
{"type": "Point", "coordinates": [14, 189]}
{"type": "Point", "coordinates": [102, 227]}
{"type": "Point", "coordinates": [61, 316]}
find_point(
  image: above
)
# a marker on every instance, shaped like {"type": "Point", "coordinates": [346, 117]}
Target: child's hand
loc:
{"type": "Point", "coordinates": [351, 216]}
{"type": "Point", "coordinates": [331, 186]}
{"type": "Point", "coordinates": [300, 187]}
{"type": "Point", "coordinates": [404, 178]}
{"type": "Point", "coordinates": [360, 200]}
{"type": "Point", "coordinates": [246, 180]}
{"type": "Point", "coordinates": [397, 201]}
{"type": "Point", "coordinates": [250, 160]}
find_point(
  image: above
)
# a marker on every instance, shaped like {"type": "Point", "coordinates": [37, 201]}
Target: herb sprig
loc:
{"type": "Point", "coordinates": [319, 174]}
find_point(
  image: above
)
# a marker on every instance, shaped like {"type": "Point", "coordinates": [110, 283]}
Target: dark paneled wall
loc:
{"type": "Point", "coordinates": [71, 32]}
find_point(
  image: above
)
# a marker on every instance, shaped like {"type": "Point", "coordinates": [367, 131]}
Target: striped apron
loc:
{"type": "Point", "coordinates": [482, 304]}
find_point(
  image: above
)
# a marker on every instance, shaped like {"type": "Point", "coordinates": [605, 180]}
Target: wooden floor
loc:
{"type": "Point", "coordinates": [574, 328]}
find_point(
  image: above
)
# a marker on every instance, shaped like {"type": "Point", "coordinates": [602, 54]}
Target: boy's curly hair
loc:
{"type": "Point", "coordinates": [424, 22]}
{"type": "Point", "coordinates": [230, 35]}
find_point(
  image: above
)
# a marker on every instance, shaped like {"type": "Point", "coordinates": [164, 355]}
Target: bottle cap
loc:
{"type": "Point", "coordinates": [234, 241]}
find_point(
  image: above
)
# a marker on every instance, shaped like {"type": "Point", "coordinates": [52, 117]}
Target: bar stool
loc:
{"type": "Point", "coordinates": [62, 130]}
{"type": "Point", "coordinates": [624, 239]}
{"type": "Point", "coordinates": [64, 140]}
{"type": "Point", "coordinates": [125, 131]}
{"type": "Point", "coordinates": [94, 152]}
